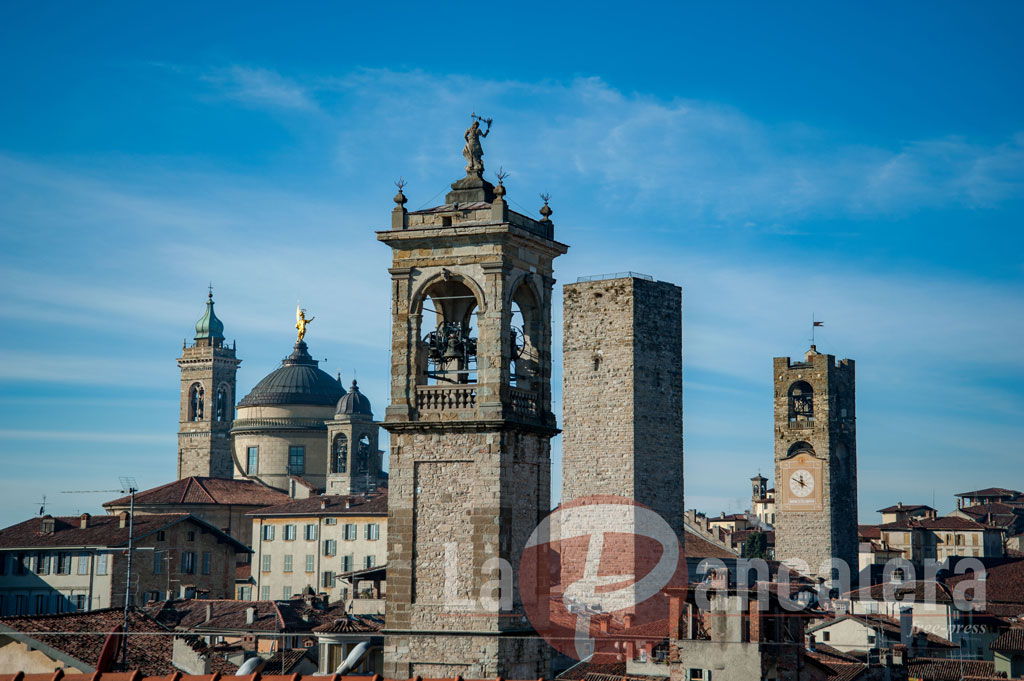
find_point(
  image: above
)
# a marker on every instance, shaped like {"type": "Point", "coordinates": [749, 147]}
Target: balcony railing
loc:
{"type": "Point", "coordinates": [524, 402]}
{"type": "Point", "coordinates": [434, 398]}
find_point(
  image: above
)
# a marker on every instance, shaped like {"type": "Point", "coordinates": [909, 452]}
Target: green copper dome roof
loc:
{"type": "Point", "coordinates": [297, 381]}
{"type": "Point", "coordinates": [209, 326]}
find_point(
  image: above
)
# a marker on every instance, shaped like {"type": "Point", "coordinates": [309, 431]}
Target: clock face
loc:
{"type": "Point", "coordinates": [801, 483]}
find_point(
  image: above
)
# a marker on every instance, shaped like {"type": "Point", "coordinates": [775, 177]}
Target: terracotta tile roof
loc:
{"type": "Point", "coordinates": [597, 671]}
{"type": "Point", "coordinates": [136, 675]}
{"type": "Point", "coordinates": [920, 591]}
{"type": "Point", "coordinates": [1011, 641]}
{"type": "Point", "coordinates": [348, 624]}
{"type": "Point", "coordinates": [335, 505]}
{"type": "Point", "coordinates": [229, 615]}
{"type": "Point", "coordinates": [845, 671]}
{"type": "Point", "coordinates": [828, 654]}
{"type": "Point", "coordinates": [989, 492]}
{"type": "Point", "coordinates": [1004, 581]}
{"type": "Point", "coordinates": [283, 661]}
{"type": "Point", "coordinates": [196, 490]}
{"type": "Point", "coordinates": [698, 547]}
{"type": "Point", "coordinates": [944, 523]}
{"type": "Point", "coordinates": [82, 635]}
{"type": "Point", "coordinates": [243, 572]}
{"type": "Point", "coordinates": [869, 532]}
{"type": "Point", "coordinates": [941, 669]}
{"type": "Point", "coordinates": [101, 530]}
{"type": "Point", "coordinates": [905, 507]}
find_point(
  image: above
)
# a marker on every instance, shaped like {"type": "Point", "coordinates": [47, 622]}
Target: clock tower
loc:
{"type": "Point", "coordinates": [815, 463]}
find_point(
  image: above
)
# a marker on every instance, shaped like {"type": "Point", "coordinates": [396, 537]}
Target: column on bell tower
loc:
{"type": "Point", "coordinates": [353, 460]}
{"type": "Point", "coordinates": [470, 422]}
{"type": "Point", "coordinates": [207, 401]}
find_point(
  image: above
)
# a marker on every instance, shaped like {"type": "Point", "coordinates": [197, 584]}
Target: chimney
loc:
{"type": "Point", "coordinates": [122, 519]}
{"type": "Point", "coordinates": [209, 611]}
{"type": "Point", "coordinates": [348, 503]}
{"type": "Point", "coordinates": [84, 524]}
{"type": "Point", "coordinates": [628, 620]}
{"type": "Point", "coordinates": [250, 615]}
{"type": "Point", "coordinates": [323, 504]}
{"type": "Point", "coordinates": [48, 524]}
{"type": "Point", "coordinates": [810, 643]}
{"type": "Point", "coordinates": [906, 626]}
{"type": "Point", "coordinates": [187, 658]}
{"type": "Point", "coordinates": [899, 505]}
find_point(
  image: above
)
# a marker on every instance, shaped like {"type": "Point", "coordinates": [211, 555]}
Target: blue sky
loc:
{"type": "Point", "coordinates": [865, 164]}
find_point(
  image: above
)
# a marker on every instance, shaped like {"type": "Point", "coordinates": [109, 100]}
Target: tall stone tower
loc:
{"type": "Point", "coordinates": [622, 398]}
{"type": "Point", "coordinates": [207, 406]}
{"type": "Point", "coordinates": [470, 422]}
{"type": "Point", "coordinates": [816, 461]}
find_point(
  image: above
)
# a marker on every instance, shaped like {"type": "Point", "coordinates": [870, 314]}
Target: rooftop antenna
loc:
{"type": "Point", "coordinates": [42, 506]}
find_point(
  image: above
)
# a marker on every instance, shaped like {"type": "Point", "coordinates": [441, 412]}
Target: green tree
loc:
{"type": "Point", "coordinates": [756, 545]}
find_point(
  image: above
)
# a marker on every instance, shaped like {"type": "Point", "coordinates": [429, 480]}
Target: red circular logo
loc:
{"type": "Point", "coordinates": [593, 575]}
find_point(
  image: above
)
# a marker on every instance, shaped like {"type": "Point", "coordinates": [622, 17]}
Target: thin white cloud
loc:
{"type": "Point", "coordinates": [86, 436]}
{"type": "Point", "coordinates": [261, 87]}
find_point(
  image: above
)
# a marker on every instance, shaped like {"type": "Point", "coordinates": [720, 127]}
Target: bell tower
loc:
{"type": "Point", "coordinates": [470, 422]}
{"type": "Point", "coordinates": [207, 405]}
{"type": "Point", "coordinates": [816, 462]}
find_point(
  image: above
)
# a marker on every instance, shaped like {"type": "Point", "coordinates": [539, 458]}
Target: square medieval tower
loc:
{"type": "Point", "coordinates": [815, 462]}
{"type": "Point", "coordinates": [622, 397]}
{"type": "Point", "coordinates": [470, 422]}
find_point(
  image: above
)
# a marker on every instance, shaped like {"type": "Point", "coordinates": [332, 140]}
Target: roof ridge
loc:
{"type": "Point", "coordinates": [204, 488]}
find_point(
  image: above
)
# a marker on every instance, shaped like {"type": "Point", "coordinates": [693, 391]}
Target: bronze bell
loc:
{"type": "Point", "coordinates": [452, 352]}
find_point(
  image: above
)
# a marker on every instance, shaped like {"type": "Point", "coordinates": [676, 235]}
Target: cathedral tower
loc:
{"type": "Point", "coordinates": [207, 406]}
{"type": "Point", "coordinates": [816, 461]}
{"type": "Point", "coordinates": [470, 422]}
{"type": "Point", "coordinates": [622, 401]}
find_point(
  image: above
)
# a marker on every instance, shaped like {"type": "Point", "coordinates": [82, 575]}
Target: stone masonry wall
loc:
{"type": "Point", "coordinates": [622, 411]}
{"type": "Point", "coordinates": [204, 446]}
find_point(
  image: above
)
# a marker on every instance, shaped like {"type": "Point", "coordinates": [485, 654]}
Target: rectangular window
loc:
{"type": "Point", "coordinates": [369, 561]}
{"type": "Point", "coordinates": [346, 564]}
{"type": "Point", "coordinates": [42, 563]}
{"type": "Point", "coordinates": [296, 460]}
{"type": "Point", "coordinates": [330, 547]}
{"type": "Point", "coordinates": [351, 532]}
{"type": "Point", "coordinates": [42, 604]}
{"type": "Point", "coordinates": [330, 521]}
{"type": "Point", "coordinates": [264, 593]}
{"type": "Point", "coordinates": [268, 533]}
{"type": "Point", "coordinates": [191, 536]}
{"type": "Point", "coordinates": [19, 563]}
{"type": "Point", "coordinates": [244, 593]}
{"type": "Point", "coordinates": [289, 533]}
{"type": "Point", "coordinates": [254, 461]}
{"type": "Point", "coordinates": [3, 570]}
{"type": "Point", "coordinates": [79, 601]}
{"type": "Point", "coordinates": [161, 536]}
{"type": "Point", "coordinates": [63, 563]}
{"type": "Point", "coordinates": [328, 580]}
{"type": "Point", "coordinates": [825, 635]}
{"type": "Point", "coordinates": [83, 563]}
{"type": "Point", "coordinates": [373, 531]}
{"type": "Point", "coordinates": [310, 532]}
{"type": "Point", "coordinates": [288, 563]}
{"type": "Point", "coordinates": [309, 562]}
{"type": "Point", "coordinates": [286, 592]}
{"type": "Point", "coordinates": [188, 562]}
{"type": "Point", "coordinates": [206, 562]}
{"type": "Point", "coordinates": [102, 562]}
{"type": "Point", "coordinates": [266, 563]}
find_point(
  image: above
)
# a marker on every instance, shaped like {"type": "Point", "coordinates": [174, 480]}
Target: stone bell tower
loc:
{"type": "Point", "coordinates": [354, 463]}
{"type": "Point", "coordinates": [816, 461]}
{"type": "Point", "coordinates": [207, 405]}
{"type": "Point", "coordinates": [470, 422]}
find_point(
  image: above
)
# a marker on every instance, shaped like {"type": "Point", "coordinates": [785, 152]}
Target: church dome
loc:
{"type": "Point", "coordinates": [297, 381]}
{"type": "Point", "coordinates": [354, 402]}
{"type": "Point", "coordinates": [209, 326]}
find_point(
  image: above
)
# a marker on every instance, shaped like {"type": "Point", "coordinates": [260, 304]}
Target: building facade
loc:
{"type": "Point", "coordinates": [54, 565]}
{"type": "Point", "coordinates": [470, 422]}
{"type": "Point", "coordinates": [317, 544]}
{"type": "Point", "coordinates": [622, 397]}
{"type": "Point", "coordinates": [815, 463]}
{"type": "Point", "coordinates": [207, 401]}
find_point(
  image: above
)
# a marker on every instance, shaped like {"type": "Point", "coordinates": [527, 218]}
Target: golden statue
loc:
{"type": "Point", "coordinates": [301, 321]}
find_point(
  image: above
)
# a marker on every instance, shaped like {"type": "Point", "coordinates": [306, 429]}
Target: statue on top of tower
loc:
{"type": "Point", "coordinates": [301, 321]}
{"type": "Point", "coordinates": [473, 151]}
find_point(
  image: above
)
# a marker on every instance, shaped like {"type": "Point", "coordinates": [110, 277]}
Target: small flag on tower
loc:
{"type": "Point", "coordinates": [819, 323]}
